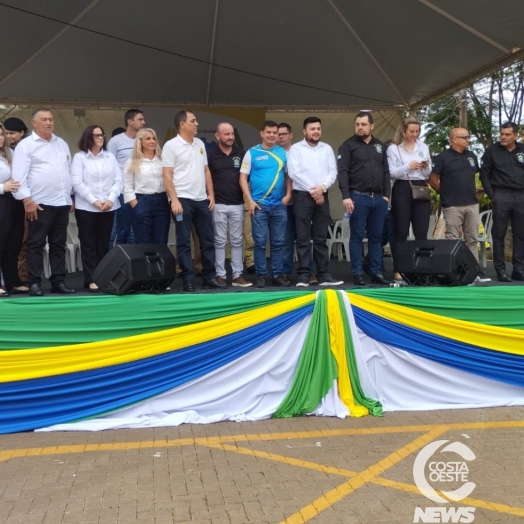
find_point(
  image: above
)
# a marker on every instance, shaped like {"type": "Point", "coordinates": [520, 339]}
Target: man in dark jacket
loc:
{"type": "Point", "coordinates": [502, 176]}
{"type": "Point", "coordinates": [363, 178]}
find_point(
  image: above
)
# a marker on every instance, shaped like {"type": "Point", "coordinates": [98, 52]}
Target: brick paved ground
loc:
{"type": "Point", "coordinates": [299, 470]}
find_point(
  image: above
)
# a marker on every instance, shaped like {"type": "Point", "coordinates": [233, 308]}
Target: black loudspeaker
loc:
{"type": "Point", "coordinates": [424, 262]}
{"type": "Point", "coordinates": [135, 267]}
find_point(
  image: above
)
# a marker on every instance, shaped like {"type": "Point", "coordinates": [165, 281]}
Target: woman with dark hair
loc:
{"type": "Point", "coordinates": [144, 190]}
{"type": "Point", "coordinates": [12, 217]}
{"type": "Point", "coordinates": [409, 166]}
{"type": "Point", "coordinates": [97, 183]}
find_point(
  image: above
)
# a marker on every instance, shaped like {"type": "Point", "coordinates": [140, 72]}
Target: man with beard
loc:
{"type": "Point", "coordinates": [313, 170]}
{"type": "Point", "coordinates": [224, 162]}
{"type": "Point", "coordinates": [502, 177]}
{"type": "Point", "coordinates": [363, 178]}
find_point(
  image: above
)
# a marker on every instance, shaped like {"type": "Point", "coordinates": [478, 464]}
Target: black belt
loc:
{"type": "Point", "coordinates": [304, 192]}
{"type": "Point", "coordinates": [507, 190]}
{"type": "Point", "coordinates": [367, 193]}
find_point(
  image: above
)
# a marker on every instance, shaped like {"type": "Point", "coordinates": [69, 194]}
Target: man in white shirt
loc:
{"type": "Point", "coordinates": [312, 169]}
{"type": "Point", "coordinates": [190, 188]}
{"type": "Point", "coordinates": [122, 146]}
{"type": "Point", "coordinates": [41, 165]}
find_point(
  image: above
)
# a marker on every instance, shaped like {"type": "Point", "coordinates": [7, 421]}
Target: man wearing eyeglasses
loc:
{"type": "Point", "coordinates": [502, 177]}
{"type": "Point", "coordinates": [453, 176]}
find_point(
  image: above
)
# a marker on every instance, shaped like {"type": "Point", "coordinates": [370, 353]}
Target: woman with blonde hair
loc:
{"type": "Point", "coordinates": [12, 218]}
{"type": "Point", "coordinates": [409, 167]}
{"type": "Point", "coordinates": [144, 190]}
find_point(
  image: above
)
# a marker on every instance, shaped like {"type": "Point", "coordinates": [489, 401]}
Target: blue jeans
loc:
{"type": "Point", "coordinates": [273, 218]}
{"type": "Point", "coordinates": [150, 219]}
{"type": "Point", "coordinates": [288, 250]}
{"type": "Point", "coordinates": [369, 214]}
{"type": "Point", "coordinates": [197, 213]}
{"type": "Point", "coordinates": [122, 231]}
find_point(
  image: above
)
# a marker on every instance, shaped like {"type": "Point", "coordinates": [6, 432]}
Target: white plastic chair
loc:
{"type": "Point", "coordinates": [341, 240]}
{"type": "Point", "coordinates": [73, 246]}
{"type": "Point", "coordinates": [486, 219]}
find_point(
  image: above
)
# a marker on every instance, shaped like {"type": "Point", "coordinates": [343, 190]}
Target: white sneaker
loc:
{"type": "Point", "coordinates": [481, 277]}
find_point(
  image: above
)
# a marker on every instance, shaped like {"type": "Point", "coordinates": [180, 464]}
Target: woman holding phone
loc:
{"type": "Point", "coordinates": [409, 166]}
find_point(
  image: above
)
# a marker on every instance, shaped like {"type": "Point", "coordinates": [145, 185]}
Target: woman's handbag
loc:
{"type": "Point", "coordinates": [420, 192]}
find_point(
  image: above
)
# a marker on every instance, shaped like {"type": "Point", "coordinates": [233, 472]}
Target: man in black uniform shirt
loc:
{"type": "Point", "coordinates": [224, 162]}
{"type": "Point", "coordinates": [453, 177]}
{"type": "Point", "coordinates": [363, 178]}
{"type": "Point", "coordinates": [502, 176]}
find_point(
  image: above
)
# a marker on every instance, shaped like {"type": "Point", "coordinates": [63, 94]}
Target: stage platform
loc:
{"type": "Point", "coordinates": [93, 362]}
{"type": "Point", "coordinates": [339, 269]}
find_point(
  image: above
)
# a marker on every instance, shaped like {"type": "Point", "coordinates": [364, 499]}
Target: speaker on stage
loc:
{"type": "Point", "coordinates": [135, 267]}
{"type": "Point", "coordinates": [423, 262]}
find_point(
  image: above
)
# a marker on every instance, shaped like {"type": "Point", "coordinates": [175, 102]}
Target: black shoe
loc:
{"type": "Point", "coordinates": [61, 288]}
{"type": "Point", "coordinates": [328, 280]}
{"type": "Point", "coordinates": [358, 280]}
{"type": "Point", "coordinates": [261, 281]}
{"type": "Point", "coordinates": [188, 285]}
{"type": "Point", "coordinates": [251, 270]}
{"type": "Point", "coordinates": [214, 284]}
{"type": "Point", "coordinates": [379, 279]}
{"type": "Point", "coordinates": [4, 293]}
{"type": "Point", "coordinates": [281, 282]}
{"type": "Point", "coordinates": [517, 275]}
{"type": "Point", "coordinates": [35, 290]}
{"type": "Point", "coordinates": [503, 277]}
{"type": "Point", "coordinates": [303, 281]}
{"type": "Point", "coordinates": [365, 267]}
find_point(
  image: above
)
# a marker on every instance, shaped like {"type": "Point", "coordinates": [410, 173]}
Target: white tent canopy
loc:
{"type": "Point", "coordinates": [273, 53]}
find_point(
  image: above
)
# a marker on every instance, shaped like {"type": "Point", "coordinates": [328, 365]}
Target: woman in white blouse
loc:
{"type": "Point", "coordinates": [144, 190]}
{"type": "Point", "coordinates": [11, 222]}
{"type": "Point", "coordinates": [97, 183]}
{"type": "Point", "coordinates": [409, 164]}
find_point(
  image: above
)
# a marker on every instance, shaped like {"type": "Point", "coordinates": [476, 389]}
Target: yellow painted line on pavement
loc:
{"type": "Point", "coordinates": [478, 503]}
{"type": "Point", "coordinates": [368, 475]}
{"type": "Point", "coordinates": [255, 437]}
{"type": "Point", "coordinates": [286, 460]}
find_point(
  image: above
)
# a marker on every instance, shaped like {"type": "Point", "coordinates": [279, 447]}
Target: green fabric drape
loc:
{"type": "Point", "coordinates": [316, 368]}
{"type": "Point", "coordinates": [501, 306]}
{"type": "Point", "coordinates": [374, 407]}
{"type": "Point", "coordinates": [56, 321]}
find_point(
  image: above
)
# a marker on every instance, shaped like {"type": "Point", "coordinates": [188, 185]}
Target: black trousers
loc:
{"type": "Point", "coordinates": [51, 225]}
{"type": "Point", "coordinates": [406, 212]}
{"type": "Point", "coordinates": [94, 231]}
{"type": "Point", "coordinates": [311, 223]}
{"type": "Point", "coordinates": [508, 205]}
{"type": "Point", "coordinates": [11, 235]}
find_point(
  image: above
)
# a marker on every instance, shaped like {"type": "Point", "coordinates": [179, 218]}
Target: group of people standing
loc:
{"type": "Point", "coordinates": [283, 187]}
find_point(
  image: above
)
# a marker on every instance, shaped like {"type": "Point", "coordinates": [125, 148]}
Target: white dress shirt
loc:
{"type": "Point", "coordinates": [188, 162]}
{"type": "Point", "coordinates": [96, 178]}
{"type": "Point", "coordinates": [309, 166]}
{"type": "Point", "coordinates": [147, 182]}
{"type": "Point", "coordinates": [399, 159]}
{"type": "Point", "coordinates": [5, 173]}
{"type": "Point", "coordinates": [42, 168]}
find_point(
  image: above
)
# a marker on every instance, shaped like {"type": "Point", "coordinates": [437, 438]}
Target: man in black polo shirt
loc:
{"type": "Point", "coordinates": [453, 176]}
{"type": "Point", "coordinates": [224, 162]}
{"type": "Point", "coordinates": [363, 178]}
{"type": "Point", "coordinates": [502, 176]}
